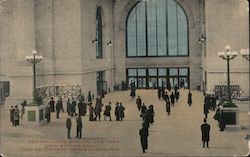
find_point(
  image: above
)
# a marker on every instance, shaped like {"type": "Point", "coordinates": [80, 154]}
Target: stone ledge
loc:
{"type": "Point", "coordinates": [232, 128]}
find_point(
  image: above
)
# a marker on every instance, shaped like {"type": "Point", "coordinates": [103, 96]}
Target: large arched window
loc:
{"type": "Point", "coordinates": [157, 28]}
{"type": "Point", "coordinates": [99, 32]}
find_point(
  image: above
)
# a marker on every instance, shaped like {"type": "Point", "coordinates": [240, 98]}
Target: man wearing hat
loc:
{"type": "Point", "coordinates": [205, 132]}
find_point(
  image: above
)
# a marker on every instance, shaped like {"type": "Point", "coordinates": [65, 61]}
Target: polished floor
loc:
{"type": "Point", "coordinates": [176, 135]}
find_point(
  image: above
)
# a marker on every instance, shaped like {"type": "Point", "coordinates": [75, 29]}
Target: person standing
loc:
{"type": "Point", "coordinates": [22, 111]}
{"type": "Point", "coordinates": [144, 137]}
{"type": "Point", "coordinates": [159, 93]}
{"type": "Point", "coordinates": [80, 108]}
{"type": "Point", "coordinates": [68, 106]}
{"type": "Point", "coordinates": [47, 113]}
{"type": "Point", "coordinates": [117, 112]}
{"type": "Point", "coordinates": [16, 116]}
{"type": "Point", "coordinates": [189, 98]}
{"type": "Point", "coordinates": [177, 95]}
{"type": "Point", "coordinates": [58, 108]}
{"type": "Point", "coordinates": [12, 115]}
{"type": "Point", "coordinates": [79, 127]}
{"type": "Point", "coordinates": [172, 98]}
{"type": "Point", "coordinates": [89, 97]}
{"type": "Point", "coordinates": [73, 107]}
{"type": "Point", "coordinates": [52, 105]}
{"type": "Point", "coordinates": [121, 111]}
{"type": "Point", "coordinates": [205, 133]}
{"type": "Point", "coordinates": [143, 109]}
{"type": "Point", "coordinates": [138, 103]}
{"type": "Point", "coordinates": [107, 111]}
{"type": "Point", "coordinates": [68, 126]}
{"type": "Point", "coordinates": [61, 104]}
{"type": "Point", "coordinates": [91, 112]}
{"type": "Point", "coordinates": [206, 109]}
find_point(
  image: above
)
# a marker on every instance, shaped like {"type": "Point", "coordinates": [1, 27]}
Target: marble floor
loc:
{"type": "Point", "coordinates": [176, 135]}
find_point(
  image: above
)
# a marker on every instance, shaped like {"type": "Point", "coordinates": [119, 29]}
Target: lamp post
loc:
{"type": "Point", "coordinates": [228, 55]}
{"type": "Point", "coordinates": [34, 58]}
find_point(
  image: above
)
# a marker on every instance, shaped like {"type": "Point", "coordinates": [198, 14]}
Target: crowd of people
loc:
{"type": "Point", "coordinates": [146, 113]}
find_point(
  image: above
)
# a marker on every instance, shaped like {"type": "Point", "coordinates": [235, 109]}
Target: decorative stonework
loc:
{"type": "Point", "coordinates": [65, 92]}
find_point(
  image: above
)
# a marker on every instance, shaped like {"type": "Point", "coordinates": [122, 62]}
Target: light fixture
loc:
{"type": "Point", "coordinates": [228, 55]}
{"type": "Point", "coordinates": [95, 40]}
{"type": "Point", "coordinates": [109, 43]}
{"type": "Point", "coordinates": [1, 8]}
{"type": "Point", "coordinates": [245, 53]}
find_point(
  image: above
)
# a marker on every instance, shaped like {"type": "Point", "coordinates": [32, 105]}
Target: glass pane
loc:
{"type": "Point", "coordinates": [151, 23]}
{"type": "Point", "coordinates": [172, 28]}
{"type": "Point", "coordinates": [183, 82]}
{"type": "Point", "coordinates": [131, 33]}
{"type": "Point", "coordinates": [161, 27]}
{"type": "Point", "coordinates": [162, 82]}
{"type": "Point", "coordinates": [132, 79]}
{"type": "Point", "coordinates": [152, 72]}
{"type": "Point", "coordinates": [183, 71]}
{"type": "Point", "coordinates": [182, 32]}
{"type": "Point", "coordinates": [152, 82]}
{"type": "Point", "coordinates": [162, 72]}
{"type": "Point", "coordinates": [173, 72]}
{"type": "Point", "coordinates": [141, 82]}
{"type": "Point", "coordinates": [141, 30]}
{"type": "Point", "coordinates": [141, 72]}
{"type": "Point", "coordinates": [132, 72]}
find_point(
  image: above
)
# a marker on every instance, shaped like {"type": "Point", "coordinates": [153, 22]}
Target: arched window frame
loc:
{"type": "Point", "coordinates": [99, 49]}
{"type": "Point", "coordinates": [147, 55]}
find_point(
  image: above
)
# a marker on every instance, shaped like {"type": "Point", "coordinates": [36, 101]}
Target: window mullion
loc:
{"type": "Point", "coordinates": [146, 28]}
{"type": "Point", "coordinates": [166, 15]}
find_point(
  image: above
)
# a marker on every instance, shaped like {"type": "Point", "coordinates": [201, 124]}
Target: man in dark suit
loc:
{"type": "Point", "coordinates": [144, 137]}
{"type": "Point", "coordinates": [79, 127]}
{"type": "Point", "coordinates": [205, 135]}
{"type": "Point", "coordinates": [68, 126]}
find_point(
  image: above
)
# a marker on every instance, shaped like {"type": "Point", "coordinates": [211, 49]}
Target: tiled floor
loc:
{"type": "Point", "coordinates": [176, 135]}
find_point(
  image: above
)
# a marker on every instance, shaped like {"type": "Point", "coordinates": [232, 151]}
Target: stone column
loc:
{"type": "Point", "coordinates": [24, 27]}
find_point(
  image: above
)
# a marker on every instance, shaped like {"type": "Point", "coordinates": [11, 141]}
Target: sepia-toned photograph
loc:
{"type": "Point", "coordinates": [124, 78]}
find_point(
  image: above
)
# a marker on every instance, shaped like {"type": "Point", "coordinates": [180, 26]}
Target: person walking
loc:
{"type": "Point", "coordinates": [172, 99]}
{"type": "Point", "coordinates": [138, 103]}
{"type": "Point", "coordinates": [205, 133]}
{"type": "Point", "coordinates": [68, 126]}
{"type": "Point", "coordinates": [79, 127]}
{"type": "Point", "coordinates": [168, 108]}
{"type": "Point", "coordinates": [107, 111]}
{"type": "Point", "coordinates": [189, 98]}
{"type": "Point", "coordinates": [144, 137]}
